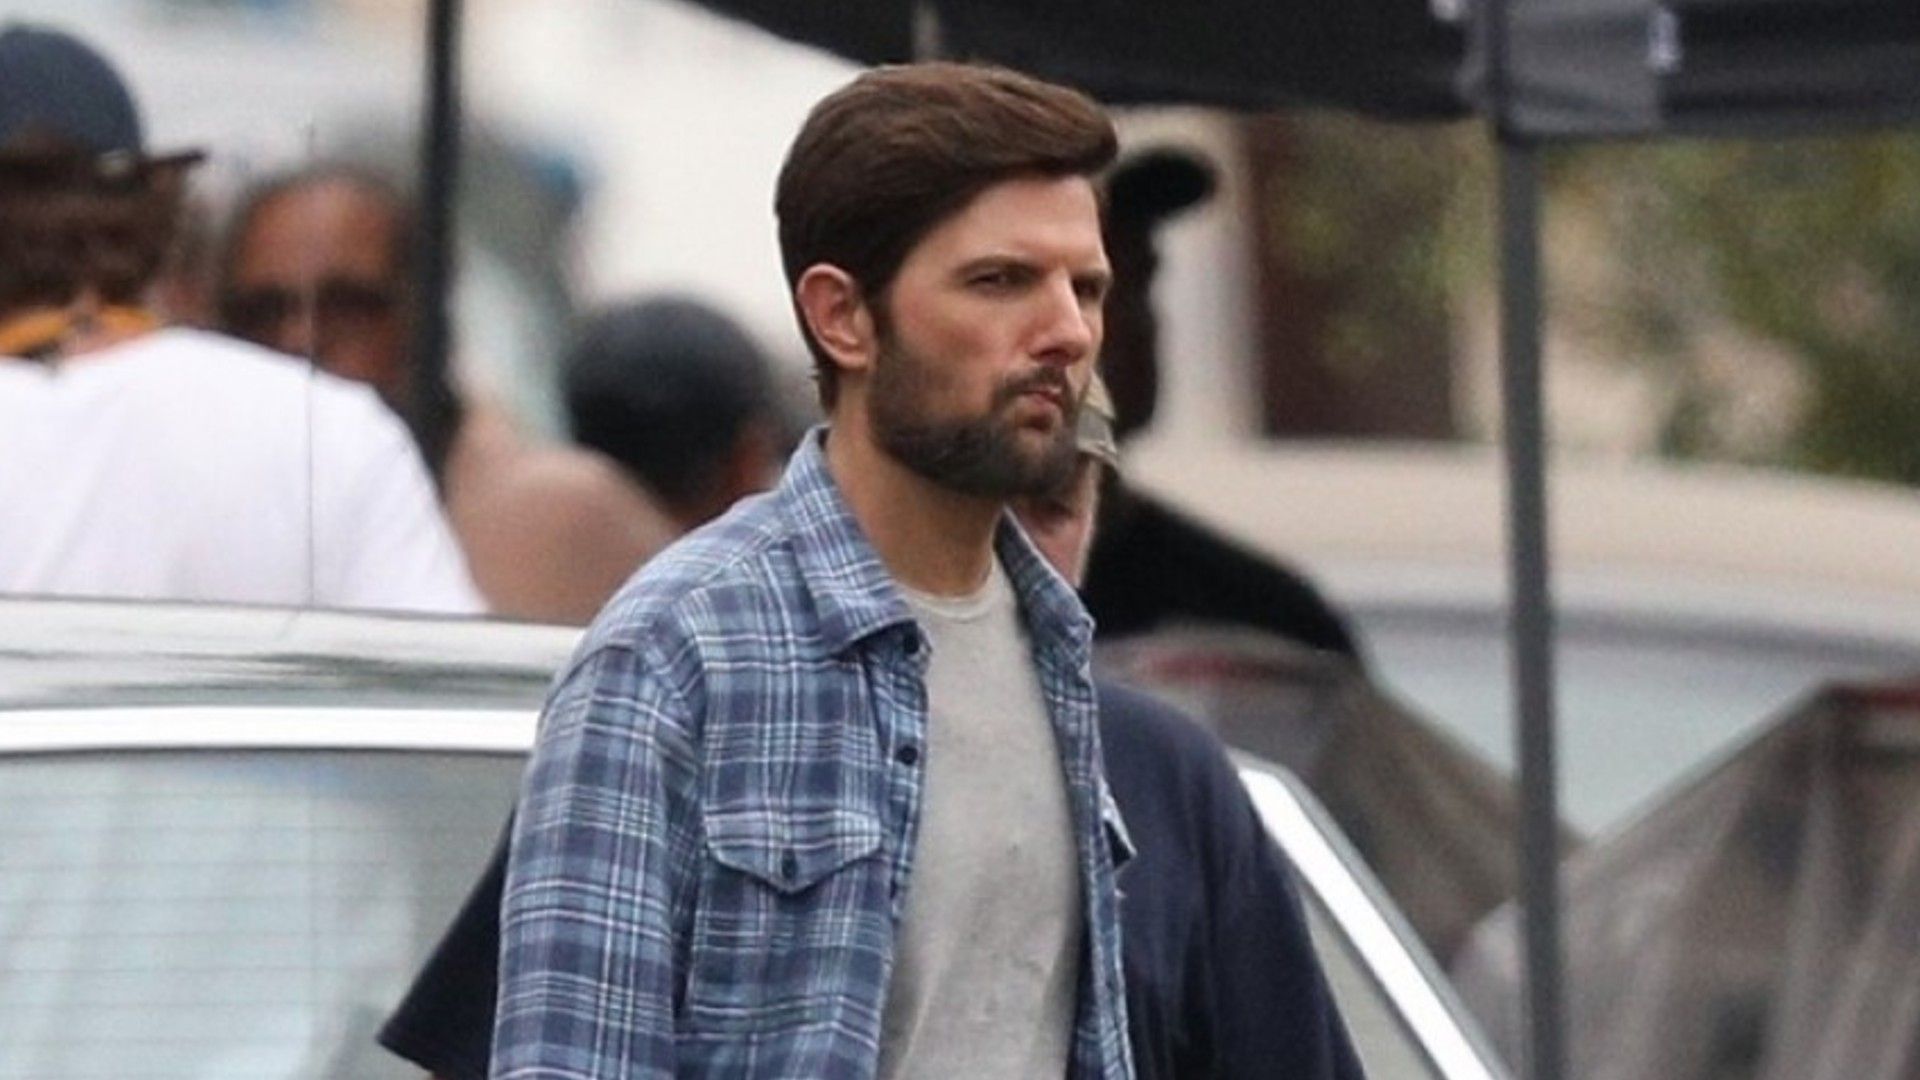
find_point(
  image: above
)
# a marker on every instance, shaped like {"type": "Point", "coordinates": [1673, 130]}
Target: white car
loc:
{"type": "Point", "coordinates": [1694, 603]}
{"type": "Point", "coordinates": [232, 835]}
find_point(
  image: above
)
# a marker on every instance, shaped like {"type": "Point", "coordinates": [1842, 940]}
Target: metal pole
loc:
{"type": "Point", "coordinates": [1531, 628]}
{"type": "Point", "coordinates": [929, 39]}
{"type": "Point", "coordinates": [432, 410]}
{"type": "Point", "coordinates": [1532, 605]}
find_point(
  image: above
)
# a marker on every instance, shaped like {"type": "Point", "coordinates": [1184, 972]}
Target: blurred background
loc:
{"type": "Point", "coordinates": [1733, 411]}
{"type": "Point", "coordinates": [1730, 321]}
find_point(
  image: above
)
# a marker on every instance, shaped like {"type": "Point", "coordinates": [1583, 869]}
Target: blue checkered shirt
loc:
{"type": "Point", "coordinates": [716, 834]}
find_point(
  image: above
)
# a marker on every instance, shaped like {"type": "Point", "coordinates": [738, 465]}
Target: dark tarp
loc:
{"type": "Point", "coordinates": [1577, 68]}
{"type": "Point", "coordinates": [1761, 924]}
{"type": "Point", "coordinates": [1433, 821]}
{"type": "Point", "coordinates": [1393, 58]}
{"type": "Point", "coordinates": [1609, 68]}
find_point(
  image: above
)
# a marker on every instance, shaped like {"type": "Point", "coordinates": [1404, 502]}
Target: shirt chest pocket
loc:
{"type": "Point", "coordinates": [791, 851]}
{"type": "Point", "coordinates": [792, 924]}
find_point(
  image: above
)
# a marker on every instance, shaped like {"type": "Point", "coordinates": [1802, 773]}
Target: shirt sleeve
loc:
{"type": "Point", "coordinates": [600, 865]}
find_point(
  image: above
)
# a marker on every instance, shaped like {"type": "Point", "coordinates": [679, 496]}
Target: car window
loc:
{"type": "Point", "coordinates": [228, 914]}
{"type": "Point", "coordinates": [1404, 1019]}
{"type": "Point", "coordinates": [1641, 703]}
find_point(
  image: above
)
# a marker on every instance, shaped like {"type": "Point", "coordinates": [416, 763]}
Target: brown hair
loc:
{"type": "Point", "coordinates": [66, 227]}
{"type": "Point", "coordinates": [885, 159]}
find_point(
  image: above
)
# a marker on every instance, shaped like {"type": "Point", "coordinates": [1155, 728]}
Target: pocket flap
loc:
{"type": "Point", "coordinates": [791, 850]}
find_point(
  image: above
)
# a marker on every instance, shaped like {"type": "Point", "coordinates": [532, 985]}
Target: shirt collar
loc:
{"type": "Point", "coordinates": [852, 590]}
{"type": "Point", "coordinates": [1053, 610]}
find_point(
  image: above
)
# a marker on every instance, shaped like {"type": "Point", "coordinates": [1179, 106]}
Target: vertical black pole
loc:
{"type": "Point", "coordinates": [1532, 605]}
{"type": "Point", "coordinates": [431, 409]}
{"type": "Point", "coordinates": [1532, 628]}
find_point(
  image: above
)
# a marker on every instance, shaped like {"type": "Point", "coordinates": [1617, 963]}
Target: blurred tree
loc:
{"type": "Point", "coordinates": [1811, 246]}
{"type": "Point", "coordinates": [1769, 289]}
{"type": "Point", "coordinates": [1355, 270]}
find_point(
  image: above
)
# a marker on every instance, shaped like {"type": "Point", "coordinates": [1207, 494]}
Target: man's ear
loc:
{"type": "Point", "coordinates": [837, 315]}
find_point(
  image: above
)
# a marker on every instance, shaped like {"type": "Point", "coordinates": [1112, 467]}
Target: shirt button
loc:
{"type": "Point", "coordinates": [789, 866]}
{"type": "Point", "coordinates": [908, 755]}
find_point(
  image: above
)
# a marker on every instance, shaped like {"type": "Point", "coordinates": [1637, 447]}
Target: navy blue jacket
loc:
{"type": "Point", "coordinates": [1221, 976]}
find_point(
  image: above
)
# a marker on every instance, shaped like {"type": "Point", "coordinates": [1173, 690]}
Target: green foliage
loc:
{"type": "Point", "coordinates": [1664, 254]}
{"type": "Point", "coordinates": [1810, 245]}
{"type": "Point", "coordinates": [1362, 212]}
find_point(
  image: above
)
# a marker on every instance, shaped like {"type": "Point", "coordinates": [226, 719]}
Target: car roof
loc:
{"type": "Point", "coordinates": [1428, 522]}
{"type": "Point", "coordinates": [79, 653]}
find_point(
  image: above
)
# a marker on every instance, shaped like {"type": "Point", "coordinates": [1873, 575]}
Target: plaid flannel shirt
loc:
{"type": "Point", "coordinates": [716, 831]}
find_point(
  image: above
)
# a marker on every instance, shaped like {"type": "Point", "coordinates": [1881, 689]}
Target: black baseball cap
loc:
{"type": "Point", "coordinates": [61, 98]}
{"type": "Point", "coordinates": [1148, 187]}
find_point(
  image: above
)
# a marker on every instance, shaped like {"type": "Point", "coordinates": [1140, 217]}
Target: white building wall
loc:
{"type": "Point", "coordinates": [677, 120]}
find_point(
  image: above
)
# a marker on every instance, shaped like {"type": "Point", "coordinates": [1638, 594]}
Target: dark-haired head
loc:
{"type": "Point", "coordinates": [885, 159]}
{"type": "Point", "coordinates": [677, 394]}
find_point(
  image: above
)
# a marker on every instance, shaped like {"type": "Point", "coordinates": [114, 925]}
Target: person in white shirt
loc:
{"type": "Point", "coordinates": [144, 462]}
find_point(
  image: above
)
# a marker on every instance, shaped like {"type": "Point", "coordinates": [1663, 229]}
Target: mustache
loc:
{"type": "Point", "coordinates": [1044, 378]}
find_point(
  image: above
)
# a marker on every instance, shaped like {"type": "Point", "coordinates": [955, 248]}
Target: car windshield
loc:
{"type": "Point", "coordinates": [228, 914]}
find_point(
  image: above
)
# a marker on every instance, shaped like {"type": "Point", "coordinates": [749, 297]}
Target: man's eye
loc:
{"type": "Point", "coordinates": [1091, 290]}
{"type": "Point", "coordinates": [1004, 277]}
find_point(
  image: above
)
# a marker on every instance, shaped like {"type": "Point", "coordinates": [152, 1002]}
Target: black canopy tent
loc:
{"type": "Point", "coordinates": [1389, 57]}
{"type": "Point", "coordinates": [1539, 71]}
{"type": "Point", "coordinates": [1586, 69]}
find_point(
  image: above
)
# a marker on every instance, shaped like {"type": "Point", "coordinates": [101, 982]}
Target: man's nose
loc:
{"type": "Point", "coordinates": [1070, 331]}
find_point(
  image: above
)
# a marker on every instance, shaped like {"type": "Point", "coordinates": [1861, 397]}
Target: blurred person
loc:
{"type": "Point", "coordinates": [680, 397]}
{"type": "Point", "coordinates": [1222, 981]}
{"type": "Point", "coordinates": [1221, 978]}
{"type": "Point", "coordinates": [1153, 565]}
{"type": "Point", "coordinates": [138, 460]}
{"type": "Point", "coordinates": [183, 291]}
{"type": "Point", "coordinates": [317, 263]}
{"type": "Point", "coordinates": [848, 726]}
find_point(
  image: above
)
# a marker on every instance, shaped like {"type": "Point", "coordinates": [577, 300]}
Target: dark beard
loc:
{"type": "Point", "coordinates": [979, 456]}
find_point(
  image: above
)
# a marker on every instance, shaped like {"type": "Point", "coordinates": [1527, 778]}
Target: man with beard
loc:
{"type": "Point", "coordinates": [1221, 979]}
{"type": "Point", "coordinates": [820, 793]}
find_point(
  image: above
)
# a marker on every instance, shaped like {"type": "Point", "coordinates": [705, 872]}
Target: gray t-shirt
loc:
{"type": "Point", "coordinates": [987, 958]}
